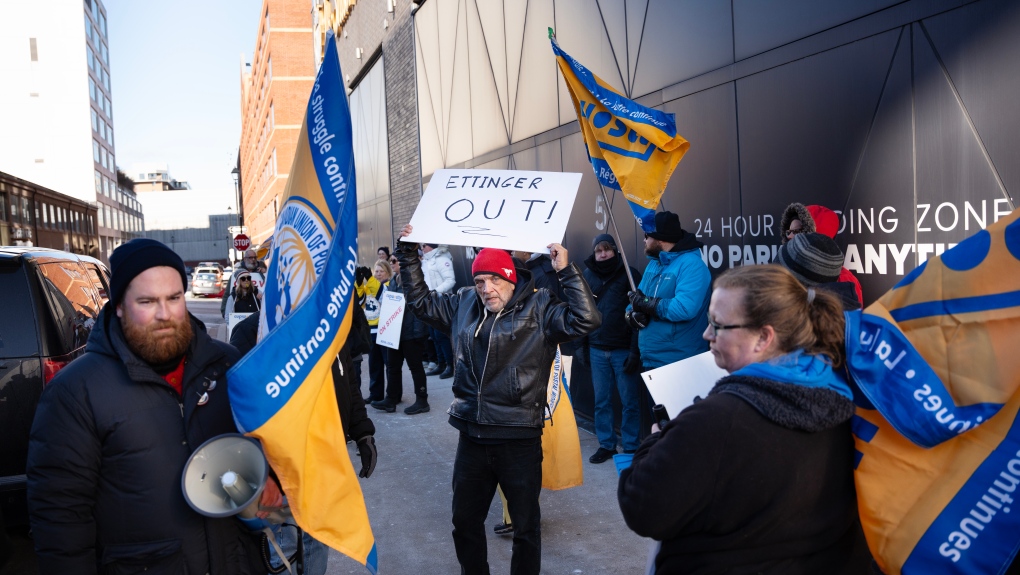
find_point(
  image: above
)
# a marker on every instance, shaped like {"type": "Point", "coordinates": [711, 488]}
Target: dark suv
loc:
{"type": "Point", "coordinates": [50, 302]}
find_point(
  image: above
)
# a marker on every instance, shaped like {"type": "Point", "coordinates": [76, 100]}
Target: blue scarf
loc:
{"type": "Point", "coordinates": [800, 368]}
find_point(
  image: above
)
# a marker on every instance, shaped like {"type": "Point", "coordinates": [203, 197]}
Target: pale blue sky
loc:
{"type": "Point", "coordinates": [175, 73]}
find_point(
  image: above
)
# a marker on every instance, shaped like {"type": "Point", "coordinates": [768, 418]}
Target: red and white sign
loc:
{"type": "Point", "coordinates": [241, 242]}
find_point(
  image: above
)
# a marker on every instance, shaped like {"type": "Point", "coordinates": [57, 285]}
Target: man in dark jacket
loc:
{"type": "Point", "coordinates": [612, 350]}
{"type": "Point", "coordinates": [505, 334]}
{"type": "Point", "coordinates": [114, 429]}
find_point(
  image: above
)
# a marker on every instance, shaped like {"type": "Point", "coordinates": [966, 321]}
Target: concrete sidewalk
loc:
{"type": "Point", "coordinates": [409, 503]}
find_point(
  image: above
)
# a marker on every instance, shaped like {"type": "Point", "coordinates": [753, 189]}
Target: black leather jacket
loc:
{"type": "Point", "coordinates": [522, 343]}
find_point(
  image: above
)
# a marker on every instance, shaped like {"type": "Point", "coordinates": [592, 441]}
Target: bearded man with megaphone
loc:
{"type": "Point", "coordinates": [115, 427]}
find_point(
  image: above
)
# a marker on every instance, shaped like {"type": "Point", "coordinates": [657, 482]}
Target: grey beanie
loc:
{"type": "Point", "coordinates": [812, 258]}
{"type": "Point", "coordinates": [603, 238]}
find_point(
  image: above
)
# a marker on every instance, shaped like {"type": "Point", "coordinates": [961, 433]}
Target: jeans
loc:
{"type": "Point", "coordinates": [316, 553]}
{"type": "Point", "coordinates": [376, 370]}
{"type": "Point", "coordinates": [444, 350]}
{"type": "Point", "coordinates": [606, 373]}
{"type": "Point", "coordinates": [410, 350]}
{"type": "Point", "coordinates": [516, 465]}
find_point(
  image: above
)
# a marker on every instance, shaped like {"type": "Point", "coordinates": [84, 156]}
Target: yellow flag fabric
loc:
{"type": "Point", "coordinates": [282, 391]}
{"type": "Point", "coordinates": [561, 447]}
{"type": "Point", "coordinates": [632, 148]}
{"type": "Point", "coordinates": [938, 439]}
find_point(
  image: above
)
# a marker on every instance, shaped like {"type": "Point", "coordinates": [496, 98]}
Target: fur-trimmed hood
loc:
{"type": "Point", "coordinates": [795, 211]}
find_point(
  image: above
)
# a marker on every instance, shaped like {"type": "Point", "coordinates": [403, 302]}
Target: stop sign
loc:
{"type": "Point", "coordinates": [241, 242]}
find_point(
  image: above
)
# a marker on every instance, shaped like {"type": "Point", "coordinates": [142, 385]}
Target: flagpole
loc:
{"type": "Point", "coordinates": [623, 253]}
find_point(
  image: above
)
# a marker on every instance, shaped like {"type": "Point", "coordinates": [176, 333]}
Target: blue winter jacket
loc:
{"type": "Point", "coordinates": [683, 284]}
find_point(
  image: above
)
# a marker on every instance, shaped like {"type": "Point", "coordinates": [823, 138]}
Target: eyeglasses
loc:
{"type": "Point", "coordinates": [716, 328]}
{"type": "Point", "coordinates": [245, 280]}
{"type": "Point", "coordinates": [791, 233]}
{"type": "Point", "coordinates": [393, 261]}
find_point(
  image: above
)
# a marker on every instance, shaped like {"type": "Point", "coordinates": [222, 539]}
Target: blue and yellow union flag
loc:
{"type": "Point", "coordinates": [282, 391]}
{"type": "Point", "coordinates": [561, 447]}
{"type": "Point", "coordinates": [632, 148]}
{"type": "Point", "coordinates": [937, 373]}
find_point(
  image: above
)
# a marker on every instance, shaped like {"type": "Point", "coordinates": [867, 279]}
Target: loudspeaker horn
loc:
{"type": "Point", "coordinates": [225, 476]}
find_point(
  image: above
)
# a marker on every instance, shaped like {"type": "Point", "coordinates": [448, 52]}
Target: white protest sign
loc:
{"type": "Point", "coordinates": [508, 209]}
{"type": "Point", "coordinates": [676, 385]}
{"type": "Point", "coordinates": [233, 319]}
{"type": "Point", "coordinates": [391, 318]}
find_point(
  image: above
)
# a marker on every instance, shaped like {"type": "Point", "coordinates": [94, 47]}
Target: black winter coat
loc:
{"type": "Point", "coordinates": [348, 389]}
{"type": "Point", "coordinates": [610, 291]}
{"type": "Point", "coordinates": [729, 489]}
{"type": "Point", "coordinates": [522, 341]}
{"type": "Point", "coordinates": [108, 445]}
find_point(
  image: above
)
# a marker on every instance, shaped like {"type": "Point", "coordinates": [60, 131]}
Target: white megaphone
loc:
{"type": "Point", "coordinates": [225, 476]}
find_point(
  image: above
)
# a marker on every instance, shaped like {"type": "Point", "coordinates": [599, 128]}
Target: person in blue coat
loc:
{"type": "Point", "coordinates": [670, 306]}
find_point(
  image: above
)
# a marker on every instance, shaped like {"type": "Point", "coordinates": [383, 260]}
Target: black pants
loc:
{"type": "Point", "coordinates": [516, 465]}
{"type": "Point", "coordinates": [376, 371]}
{"type": "Point", "coordinates": [410, 350]}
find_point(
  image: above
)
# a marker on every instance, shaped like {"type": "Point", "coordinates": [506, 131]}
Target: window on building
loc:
{"type": "Point", "coordinates": [95, 10]}
{"type": "Point", "coordinates": [102, 24]}
{"type": "Point", "coordinates": [92, 225]}
{"type": "Point", "coordinates": [3, 208]}
{"type": "Point", "coordinates": [106, 80]}
{"type": "Point", "coordinates": [88, 27]}
{"type": "Point", "coordinates": [33, 50]}
{"type": "Point", "coordinates": [26, 212]}
{"type": "Point", "coordinates": [105, 54]}
{"type": "Point", "coordinates": [274, 162]}
{"type": "Point", "coordinates": [90, 56]}
{"type": "Point", "coordinates": [95, 120]}
{"type": "Point", "coordinates": [107, 107]}
{"type": "Point", "coordinates": [113, 165]}
{"type": "Point", "coordinates": [95, 151]}
{"type": "Point", "coordinates": [106, 186]}
{"type": "Point", "coordinates": [92, 89]}
{"type": "Point", "coordinates": [36, 212]}
{"type": "Point", "coordinates": [45, 216]}
{"type": "Point", "coordinates": [102, 221]}
{"type": "Point", "coordinates": [99, 183]}
{"type": "Point", "coordinates": [269, 70]}
{"type": "Point", "coordinates": [105, 160]}
{"type": "Point", "coordinates": [102, 129]}
{"type": "Point", "coordinates": [53, 215]}
{"type": "Point", "coordinates": [272, 117]}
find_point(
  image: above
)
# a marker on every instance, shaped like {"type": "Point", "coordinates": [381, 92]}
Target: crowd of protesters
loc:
{"type": "Point", "coordinates": [771, 440]}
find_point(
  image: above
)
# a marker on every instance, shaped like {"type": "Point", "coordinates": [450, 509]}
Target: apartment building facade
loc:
{"type": "Point", "coordinates": [274, 92]}
{"type": "Point", "coordinates": [57, 110]}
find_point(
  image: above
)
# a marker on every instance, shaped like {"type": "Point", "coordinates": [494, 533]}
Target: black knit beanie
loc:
{"type": "Point", "coordinates": [604, 238]}
{"type": "Point", "coordinates": [667, 228]}
{"type": "Point", "coordinates": [136, 256]}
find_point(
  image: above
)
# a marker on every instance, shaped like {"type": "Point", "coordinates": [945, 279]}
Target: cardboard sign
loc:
{"type": "Point", "coordinates": [391, 318]}
{"type": "Point", "coordinates": [233, 319]}
{"type": "Point", "coordinates": [676, 385]}
{"type": "Point", "coordinates": [508, 209]}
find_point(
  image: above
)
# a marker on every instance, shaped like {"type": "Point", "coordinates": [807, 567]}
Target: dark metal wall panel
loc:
{"type": "Point", "coordinates": [761, 26]}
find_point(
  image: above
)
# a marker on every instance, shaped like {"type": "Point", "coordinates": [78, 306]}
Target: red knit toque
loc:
{"type": "Point", "coordinates": [496, 262]}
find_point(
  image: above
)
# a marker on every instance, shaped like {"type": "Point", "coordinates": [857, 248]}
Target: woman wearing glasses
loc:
{"type": "Point", "coordinates": [758, 476]}
{"type": "Point", "coordinates": [245, 296]}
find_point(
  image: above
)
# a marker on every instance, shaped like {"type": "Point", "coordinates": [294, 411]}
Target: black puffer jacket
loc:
{"type": "Point", "coordinates": [610, 287]}
{"type": "Point", "coordinates": [756, 478]}
{"type": "Point", "coordinates": [108, 446]}
{"type": "Point", "coordinates": [522, 341]}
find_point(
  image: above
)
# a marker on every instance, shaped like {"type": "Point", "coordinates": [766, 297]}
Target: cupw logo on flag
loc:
{"type": "Point", "coordinates": [282, 391]}
{"type": "Point", "coordinates": [937, 434]}
{"type": "Point", "coordinates": [632, 148]}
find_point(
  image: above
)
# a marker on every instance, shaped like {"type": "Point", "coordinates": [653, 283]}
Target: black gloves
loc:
{"type": "Point", "coordinates": [633, 362]}
{"type": "Point", "coordinates": [361, 274]}
{"type": "Point", "coordinates": [636, 320]}
{"type": "Point", "coordinates": [366, 449]}
{"type": "Point", "coordinates": [641, 303]}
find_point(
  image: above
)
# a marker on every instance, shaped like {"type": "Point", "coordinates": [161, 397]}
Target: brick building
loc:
{"type": "Point", "coordinates": [274, 91]}
{"type": "Point", "coordinates": [375, 42]}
